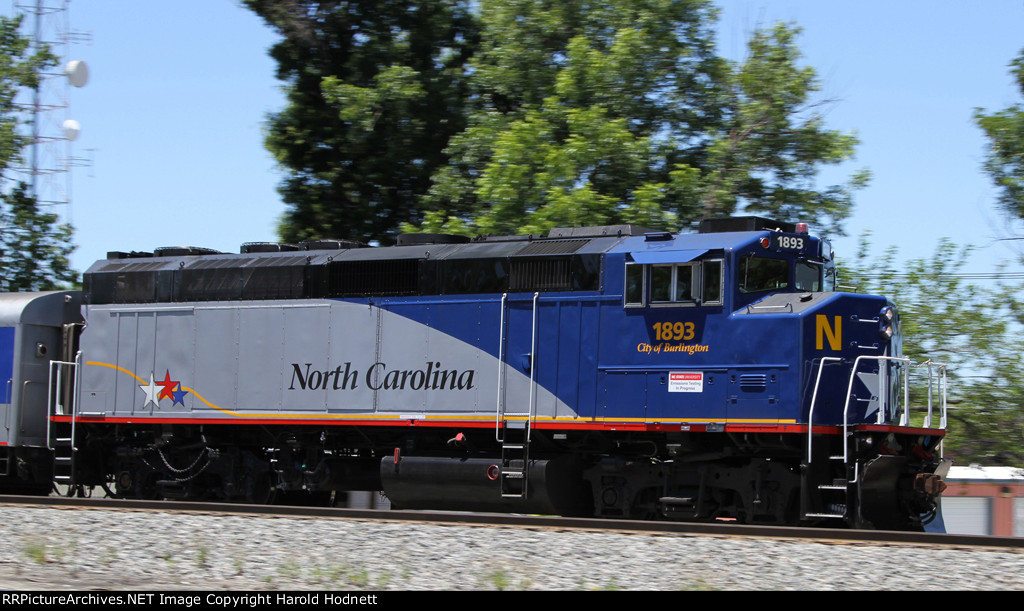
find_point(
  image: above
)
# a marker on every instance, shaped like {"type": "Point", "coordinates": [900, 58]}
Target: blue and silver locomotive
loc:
{"type": "Point", "coordinates": [603, 371]}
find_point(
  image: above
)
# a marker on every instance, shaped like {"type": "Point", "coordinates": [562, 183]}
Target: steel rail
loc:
{"type": "Point", "coordinates": [838, 535]}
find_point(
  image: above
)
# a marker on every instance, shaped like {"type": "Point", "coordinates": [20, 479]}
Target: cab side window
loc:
{"type": "Point", "coordinates": [696, 283]}
{"type": "Point", "coordinates": [634, 293]}
{"type": "Point", "coordinates": [672, 283]}
{"type": "Point", "coordinates": [712, 285]}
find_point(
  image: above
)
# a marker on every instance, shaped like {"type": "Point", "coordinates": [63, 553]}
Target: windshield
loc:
{"type": "Point", "coordinates": [763, 274]}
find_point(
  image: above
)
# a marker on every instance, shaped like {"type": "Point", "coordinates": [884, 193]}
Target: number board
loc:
{"type": "Point", "coordinates": [791, 242]}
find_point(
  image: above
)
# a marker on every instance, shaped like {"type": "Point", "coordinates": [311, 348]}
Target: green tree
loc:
{"type": "Point", "coordinates": [34, 246]}
{"type": "Point", "coordinates": [766, 157]}
{"type": "Point", "coordinates": [582, 114]}
{"type": "Point", "coordinates": [1005, 159]}
{"type": "Point", "coordinates": [498, 116]}
{"type": "Point", "coordinates": [623, 113]}
{"type": "Point", "coordinates": [375, 89]}
{"type": "Point", "coordinates": [974, 329]}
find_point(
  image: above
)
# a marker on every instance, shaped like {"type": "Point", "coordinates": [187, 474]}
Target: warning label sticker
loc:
{"type": "Point", "coordinates": [686, 381]}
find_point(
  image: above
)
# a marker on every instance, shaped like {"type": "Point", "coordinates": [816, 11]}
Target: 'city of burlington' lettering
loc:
{"type": "Point", "coordinates": [378, 377]}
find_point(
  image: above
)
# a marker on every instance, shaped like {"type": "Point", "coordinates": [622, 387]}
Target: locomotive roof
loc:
{"type": "Point", "coordinates": [649, 243]}
{"type": "Point", "coordinates": [698, 243]}
{"type": "Point", "coordinates": [51, 308]}
{"type": "Point", "coordinates": [565, 259]}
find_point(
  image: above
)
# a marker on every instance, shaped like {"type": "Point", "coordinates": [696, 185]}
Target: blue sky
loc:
{"type": "Point", "coordinates": [173, 114]}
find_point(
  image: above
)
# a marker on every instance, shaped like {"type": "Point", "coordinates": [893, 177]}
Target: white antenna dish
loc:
{"type": "Point", "coordinates": [71, 129]}
{"type": "Point", "coordinates": [77, 72]}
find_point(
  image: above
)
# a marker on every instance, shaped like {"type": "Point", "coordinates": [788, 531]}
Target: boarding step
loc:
{"type": "Point", "coordinates": [513, 475]}
{"type": "Point", "coordinates": [837, 484]}
{"type": "Point", "coordinates": [171, 490]}
{"type": "Point", "coordinates": [679, 507]}
{"type": "Point", "coordinates": [63, 447]}
{"type": "Point", "coordinates": [687, 502]}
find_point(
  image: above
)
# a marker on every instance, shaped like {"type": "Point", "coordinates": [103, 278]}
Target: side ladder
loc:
{"type": "Point", "coordinates": [61, 435]}
{"type": "Point", "coordinates": [515, 459]}
{"type": "Point", "coordinates": [512, 429]}
{"type": "Point", "coordinates": [835, 493]}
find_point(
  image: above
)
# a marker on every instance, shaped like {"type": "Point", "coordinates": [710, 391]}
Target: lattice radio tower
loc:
{"type": "Point", "coordinates": [53, 131]}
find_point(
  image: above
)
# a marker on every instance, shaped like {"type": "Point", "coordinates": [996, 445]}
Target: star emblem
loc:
{"type": "Point", "coordinates": [151, 392]}
{"type": "Point", "coordinates": [168, 386]}
{"type": "Point", "coordinates": [179, 396]}
{"type": "Point", "coordinates": [871, 382]}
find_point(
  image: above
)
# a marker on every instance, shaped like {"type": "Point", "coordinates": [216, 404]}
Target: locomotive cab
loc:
{"type": "Point", "coordinates": [739, 330]}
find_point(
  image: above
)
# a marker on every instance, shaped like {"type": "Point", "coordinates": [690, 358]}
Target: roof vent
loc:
{"type": "Point", "coordinates": [113, 255]}
{"type": "Point", "coordinates": [744, 223]}
{"type": "Point", "coordinates": [420, 239]}
{"type": "Point", "coordinates": [181, 251]}
{"type": "Point", "coordinates": [598, 232]}
{"type": "Point", "coordinates": [249, 247]}
{"type": "Point", "coordinates": [330, 245]}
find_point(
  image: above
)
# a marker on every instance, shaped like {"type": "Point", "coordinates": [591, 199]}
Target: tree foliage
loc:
{"type": "Point", "coordinates": [625, 114]}
{"type": "Point", "coordinates": [1005, 159]}
{"type": "Point", "coordinates": [34, 246]}
{"type": "Point", "coordinates": [767, 156]}
{"type": "Point", "coordinates": [375, 89]}
{"type": "Point", "coordinates": [583, 114]}
{"type": "Point", "coordinates": [974, 328]}
{"type": "Point", "coordinates": [515, 116]}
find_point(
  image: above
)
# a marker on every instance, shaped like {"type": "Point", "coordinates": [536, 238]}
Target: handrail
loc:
{"type": "Point", "coordinates": [814, 399]}
{"type": "Point", "coordinates": [770, 306]}
{"type": "Point", "coordinates": [904, 419]}
{"type": "Point", "coordinates": [499, 408]}
{"type": "Point", "coordinates": [533, 370]}
{"type": "Point", "coordinates": [942, 387]}
{"type": "Point", "coordinates": [10, 404]}
{"type": "Point", "coordinates": [54, 404]}
{"type": "Point", "coordinates": [883, 399]}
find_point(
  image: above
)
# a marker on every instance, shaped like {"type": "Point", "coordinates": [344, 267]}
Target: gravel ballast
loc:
{"type": "Point", "coordinates": [87, 549]}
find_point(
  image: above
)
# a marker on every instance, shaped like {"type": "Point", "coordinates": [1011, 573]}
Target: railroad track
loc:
{"type": "Point", "coordinates": [529, 521]}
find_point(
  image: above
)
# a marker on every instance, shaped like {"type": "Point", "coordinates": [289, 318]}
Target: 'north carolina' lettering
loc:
{"type": "Point", "coordinates": [378, 377]}
{"type": "Point", "coordinates": [433, 377]}
{"type": "Point", "coordinates": [314, 379]}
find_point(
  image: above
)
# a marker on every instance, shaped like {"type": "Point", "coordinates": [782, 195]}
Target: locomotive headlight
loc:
{"type": "Point", "coordinates": [885, 319]}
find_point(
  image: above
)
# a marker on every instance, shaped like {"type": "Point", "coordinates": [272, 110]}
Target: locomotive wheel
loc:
{"type": "Point", "coordinates": [263, 491]}
{"type": "Point", "coordinates": [645, 505]}
{"type": "Point", "coordinates": [134, 484]}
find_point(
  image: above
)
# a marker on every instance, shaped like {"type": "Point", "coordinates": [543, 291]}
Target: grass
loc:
{"type": "Point", "coordinates": [36, 552]}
